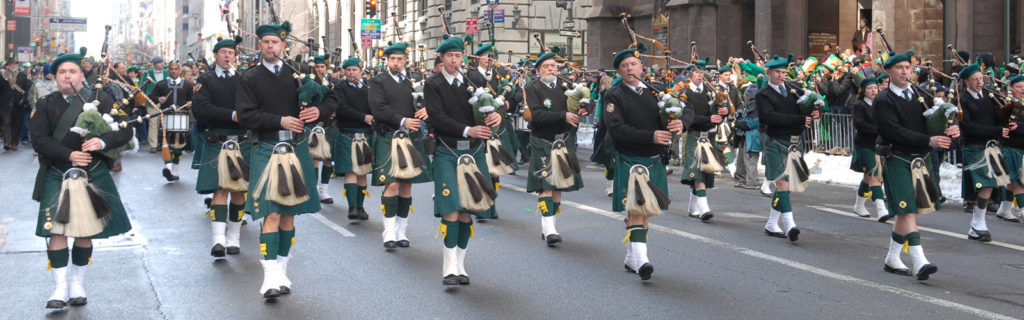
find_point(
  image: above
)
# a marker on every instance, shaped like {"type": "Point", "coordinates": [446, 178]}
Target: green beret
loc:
{"type": "Point", "coordinates": [868, 81]}
{"type": "Point", "coordinates": [897, 58]}
{"type": "Point", "coordinates": [485, 48]}
{"type": "Point", "coordinates": [450, 44]}
{"type": "Point", "coordinates": [133, 68]}
{"type": "Point", "coordinates": [882, 77]}
{"type": "Point", "coordinates": [547, 55]}
{"type": "Point", "coordinates": [279, 30]}
{"type": "Point", "coordinates": [395, 48]}
{"type": "Point", "coordinates": [67, 57]}
{"type": "Point", "coordinates": [626, 53]}
{"type": "Point", "coordinates": [725, 68]}
{"type": "Point", "coordinates": [227, 43]}
{"type": "Point", "coordinates": [352, 62]}
{"type": "Point", "coordinates": [1014, 79]}
{"type": "Point", "coordinates": [320, 59]}
{"type": "Point", "coordinates": [777, 62]}
{"type": "Point", "coordinates": [969, 70]}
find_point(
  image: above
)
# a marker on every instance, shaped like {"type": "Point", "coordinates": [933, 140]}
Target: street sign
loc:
{"type": "Point", "coordinates": [66, 24]}
{"type": "Point", "coordinates": [366, 43]}
{"type": "Point", "coordinates": [22, 7]}
{"type": "Point", "coordinates": [499, 15]}
{"type": "Point", "coordinates": [492, 2]}
{"type": "Point", "coordinates": [371, 29]}
{"type": "Point", "coordinates": [25, 54]}
{"type": "Point", "coordinates": [573, 34]}
{"type": "Point", "coordinates": [12, 25]}
{"type": "Point", "coordinates": [471, 26]}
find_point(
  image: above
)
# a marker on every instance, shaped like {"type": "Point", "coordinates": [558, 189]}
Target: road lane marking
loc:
{"type": "Point", "coordinates": [932, 230]}
{"type": "Point", "coordinates": [793, 264]}
{"type": "Point", "coordinates": [334, 226]}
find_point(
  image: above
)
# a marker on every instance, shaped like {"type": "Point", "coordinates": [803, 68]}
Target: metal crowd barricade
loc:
{"type": "Point", "coordinates": [831, 134]}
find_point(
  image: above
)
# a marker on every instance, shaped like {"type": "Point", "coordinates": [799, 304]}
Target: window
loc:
{"type": "Point", "coordinates": [401, 9]}
{"type": "Point", "coordinates": [423, 7]}
{"type": "Point", "coordinates": [184, 9]}
{"type": "Point", "coordinates": [184, 26]}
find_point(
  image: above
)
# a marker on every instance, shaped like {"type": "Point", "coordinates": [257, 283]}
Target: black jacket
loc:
{"type": "Point", "coordinates": [547, 122]}
{"type": "Point", "coordinates": [448, 106]}
{"type": "Point", "coordinates": [781, 115]}
{"type": "Point", "coordinates": [863, 121]}
{"type": "Point", "coordinates": [163, 89]}
{"type": "Point", "coordinates": [979, 123]}
{"type": "Point", "coordinates": [390, 101]}
{"type": "Point", "coordinates": [49, 110]}
{"type": "Point", "coordinates": [902, 121]}
{"type": "Point", "coordinates": [350, 103]}
{"type": "Point", "coordinates": [632, 119]}
{"type": "Point", "coordinates": [214, 102]}
{"type": "Point", "coordinates": [698, 111]}
{"type": "Point", "coordinates": [263, 99]}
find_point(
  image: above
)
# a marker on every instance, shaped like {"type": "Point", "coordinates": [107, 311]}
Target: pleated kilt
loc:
{"type": "Point", "coordinates": [100, 177]}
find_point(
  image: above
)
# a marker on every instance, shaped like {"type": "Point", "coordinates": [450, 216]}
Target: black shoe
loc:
{"type": "Point", "coordinates": [450, 280]}
{"type": "Point", "coordinates": [207, 201]}
{"type": "Point", "coordinates": [884, 218]}
{"type": "Point", "coordinates": [993, 206]}
{"type": "Point", "coordinates": [55, 304]}
{"type": "Point", "coordinates": [629, 269]}
{"type": "Point", "coordinates": [362, 214]}
{"type": "Point", "coordinates": [353, 214]}
{"type": "Point", "coordinates": [793, 234]}
{"type": "Point", "coordinates": [76, 302]}
{"type": "Point", "coordinates": [233, 250]}
{"type": "Point", "coordinates": [1014, 220]}
{"type": "Point", "coordinates": [390, 244]}
{"type": "Point", "coordinates": [645, 271]}
{"type": "Point", "coordinates": [926, 271]}
{"type": "Point", "coordinates": [902, 272]}
{"type": "Point", "coordinates": [285, 290]}
{"type": "Point", "coordinates": [494, 216]}
{"type": "Point", "coordinates": [552, 239]}
{"type": "Point", "coordinates": [327, 201]}
{"type": "Point", "coordinates": [217, 251]}
{"type": "Point", "coordinates": [705, 217]}
{"type": "Point", "coordinates": [403, 243]}
{"type": "Point", "coordinates": [983, 236]}
{"type": "Point", "coordinates": [271, 294]}
{"type": "Point", "coordinates": [167, 175]}
{"type": "Point", "coordinates": [463, 280]}
{"type": "Point", "coordinates": [774, 234]}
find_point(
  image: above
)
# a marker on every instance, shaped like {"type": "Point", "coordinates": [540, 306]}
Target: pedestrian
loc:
{"type": "Point", "coordinates": [640, 139]}
{"type": "Point", "coordinates": [865, 160]}
{"type": "Point", "coordinates": [65, 156]}
{"type": "Point", "coordinates": [462, 185]}
{"type": "Point", "coordinates": [399, 120]}
{"type": "Point", "coordinates": [214, 107]}
{"type": "Point", "coordinates": [267, 102]}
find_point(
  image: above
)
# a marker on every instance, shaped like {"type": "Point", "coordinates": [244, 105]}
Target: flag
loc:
{"type": "Point", "coordinates": [832, 62]}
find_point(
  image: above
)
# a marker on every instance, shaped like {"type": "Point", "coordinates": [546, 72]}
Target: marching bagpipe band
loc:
{"type": "Point", "coordinates": [561, 169]}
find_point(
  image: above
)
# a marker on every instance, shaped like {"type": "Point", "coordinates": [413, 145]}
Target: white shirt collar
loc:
{"type": "Point", "coordinates": [357, 84]}
{"type": "Point", "coordinates": [173, 81]}
{"type": "Point", "coordinates": [898, 90]}
{"type": "Point", "coordinates": [448, 77]}
{"type": "Point", "coordinates": [975, 94]}
{"type": "Point", "coordinates": [639, 85]}
{"type": "Point", "coordinates": [270, 66]}
{"type": "Point", "coordinates": [395, 76]}
{"type": "Point", "coordinates": [697, 87]}
{"type": "Point", "coordinates": [483, 71]}
{"type": "Point", "coordinates": [230, 72]}
{"type": "Point", "coordinates": [777, 87]}
{"type": "Point", "coordinates": [869, 101]}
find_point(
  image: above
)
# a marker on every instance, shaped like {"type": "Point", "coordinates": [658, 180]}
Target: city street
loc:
{"type": "Point", "coordinates": [725, 269]}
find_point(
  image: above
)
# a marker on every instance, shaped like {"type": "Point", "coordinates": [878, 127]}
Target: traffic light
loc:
{"type": "Point", "coordinates": [371, 8]}
{"type": "Point", "coordinates": [380, 53]}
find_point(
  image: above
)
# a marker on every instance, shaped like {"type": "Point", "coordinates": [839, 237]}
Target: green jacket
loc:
{"type": "Point", "coordinates": [149, 80]}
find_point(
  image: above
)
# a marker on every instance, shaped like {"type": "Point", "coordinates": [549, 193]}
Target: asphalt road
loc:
{"type": "Point", "coordinates": [725, 269]}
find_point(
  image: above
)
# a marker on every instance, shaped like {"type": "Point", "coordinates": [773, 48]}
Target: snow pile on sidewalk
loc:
{"type": "Point", "coordinates": [949, 182]}
{"type": "Point", "coordinates": [585, 136]}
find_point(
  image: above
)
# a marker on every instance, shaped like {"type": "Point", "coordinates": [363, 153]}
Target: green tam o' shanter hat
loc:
{"type": "Point", "coordinates": [1014, 79]}
{"type": "Point", "coordinates": [628, 52]}
{"type": "Point", "coordinates": [352, 62]}
{"type": "Point", "coordinates": [882, 77]}
{"type": "Point", "coordinates": [868, 81]}
{"type": "Point", "coordinates": [777, 62]}
{"type": "Point", "coordinates": [320, 59]}
{"type": "Point", "coordinates": [227, 43]}
{"type": "Point", "coordinates": [75, 58]}
{"type": "Point", "coordinates": [396, 48]}
{"type": "Point", "coordinates": [485, 48]}
{"type": "Point", "coordinates": [450, 44]}
{"type": "Point", "coordinates": [969, 70]}
{"type": "Point", "coordinates": [897, 58]}
{"type": "Point", "coordinates": [279, 30]}
{"type": "Point", "coordinates": [725, 68]}
{"type": "Point", "coordinates": [552, 52]}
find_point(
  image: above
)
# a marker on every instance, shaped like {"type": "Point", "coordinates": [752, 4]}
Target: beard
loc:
{"type": "Point", "coordinates": [548, 78]}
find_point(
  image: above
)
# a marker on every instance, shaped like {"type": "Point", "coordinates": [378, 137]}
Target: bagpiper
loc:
{"type": "Point", "coordinates": [282, 172]}
{"type": "Point", "coordinates": [554, 167]}
{"type": "Point", "coordinates": [326, 166]}
{"type": "Point", "coordinates": [778, 108]}
{"type": "Point", "coordinates": [641, 138]}
{"type": "Point", "coordinates": [399, 158]}
{"type": "Point", "coordinates": [906, 145]}
{"type": "Point", "coordinates": [462, 182]}
{"type": "Point", "coordinates": [224, 155]}
{"type": "Point", "coordinates": [865, 160]}
{"type": "Point", "coordinates": [703, 158]}
{"type": "Point", "coordinates": [1013, 151]}
{"type": "Point", "coordinates": [173, 91]}
{"type": "Point", "coordinates": [77, 196]}
{"type": "Point", "coordinates": [353, 146]}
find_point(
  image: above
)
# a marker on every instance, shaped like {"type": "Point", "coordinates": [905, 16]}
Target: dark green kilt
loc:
{"type": "Point", "coordinates": [864, 161]}
{"type": "Point", "coordinates": [774, 153]}
{"type": "Point", "coordinates": [206, 156]}
{"type": "Point", "coordinates": [331, 134]}
{"type": "Point", "coordinates": [691, 165]}
{"type": "Point", "coordinates": [507, 135]}
{"type": "Point", "coordinates": [199, 145]}
{"type": "Point", "coordinates": [446, 186]}
{"type": "Point", "coordinates": [342, 148]}
{"type": "Point", "coordinates": [100, 178]}
{"type": "Point", "coordinates": [382, 159]}
{"type": "Point", "coordinates": [542, 148]}
{"type": "Point", "coordinates": [1014, 158]}
{"type": "Point", "coordinates": [899, 185]}
{"type": "Point", "coordinates": [974, 156]}
{"type": "Point", "coordinates": [604, 149]}
{"type": "Point", "coordinates": [622, 165]}
{"type": "Point", "coordinates": [259, 207]}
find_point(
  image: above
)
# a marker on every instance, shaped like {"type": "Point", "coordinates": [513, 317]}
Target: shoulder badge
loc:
{"type": "Point", "coordinates": [197, 87]}
{"type": "Point", "coordinates": [610, 108]}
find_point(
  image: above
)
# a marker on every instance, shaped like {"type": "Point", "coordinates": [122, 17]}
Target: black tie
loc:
{"type": "Point", "coordinates": [455, 82]}
{"type": "Point", "coordinates": [224, 74]}
{"type": "Point", "coordinates": [401, 78]}
{"type": "Point", "coordinates": [639, 90]}
{"type": "Point", "coordinates": [277, 71]}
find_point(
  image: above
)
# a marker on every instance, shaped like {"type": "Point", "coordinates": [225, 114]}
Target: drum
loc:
{"type": "Point", "coordinates": [177, 122]}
